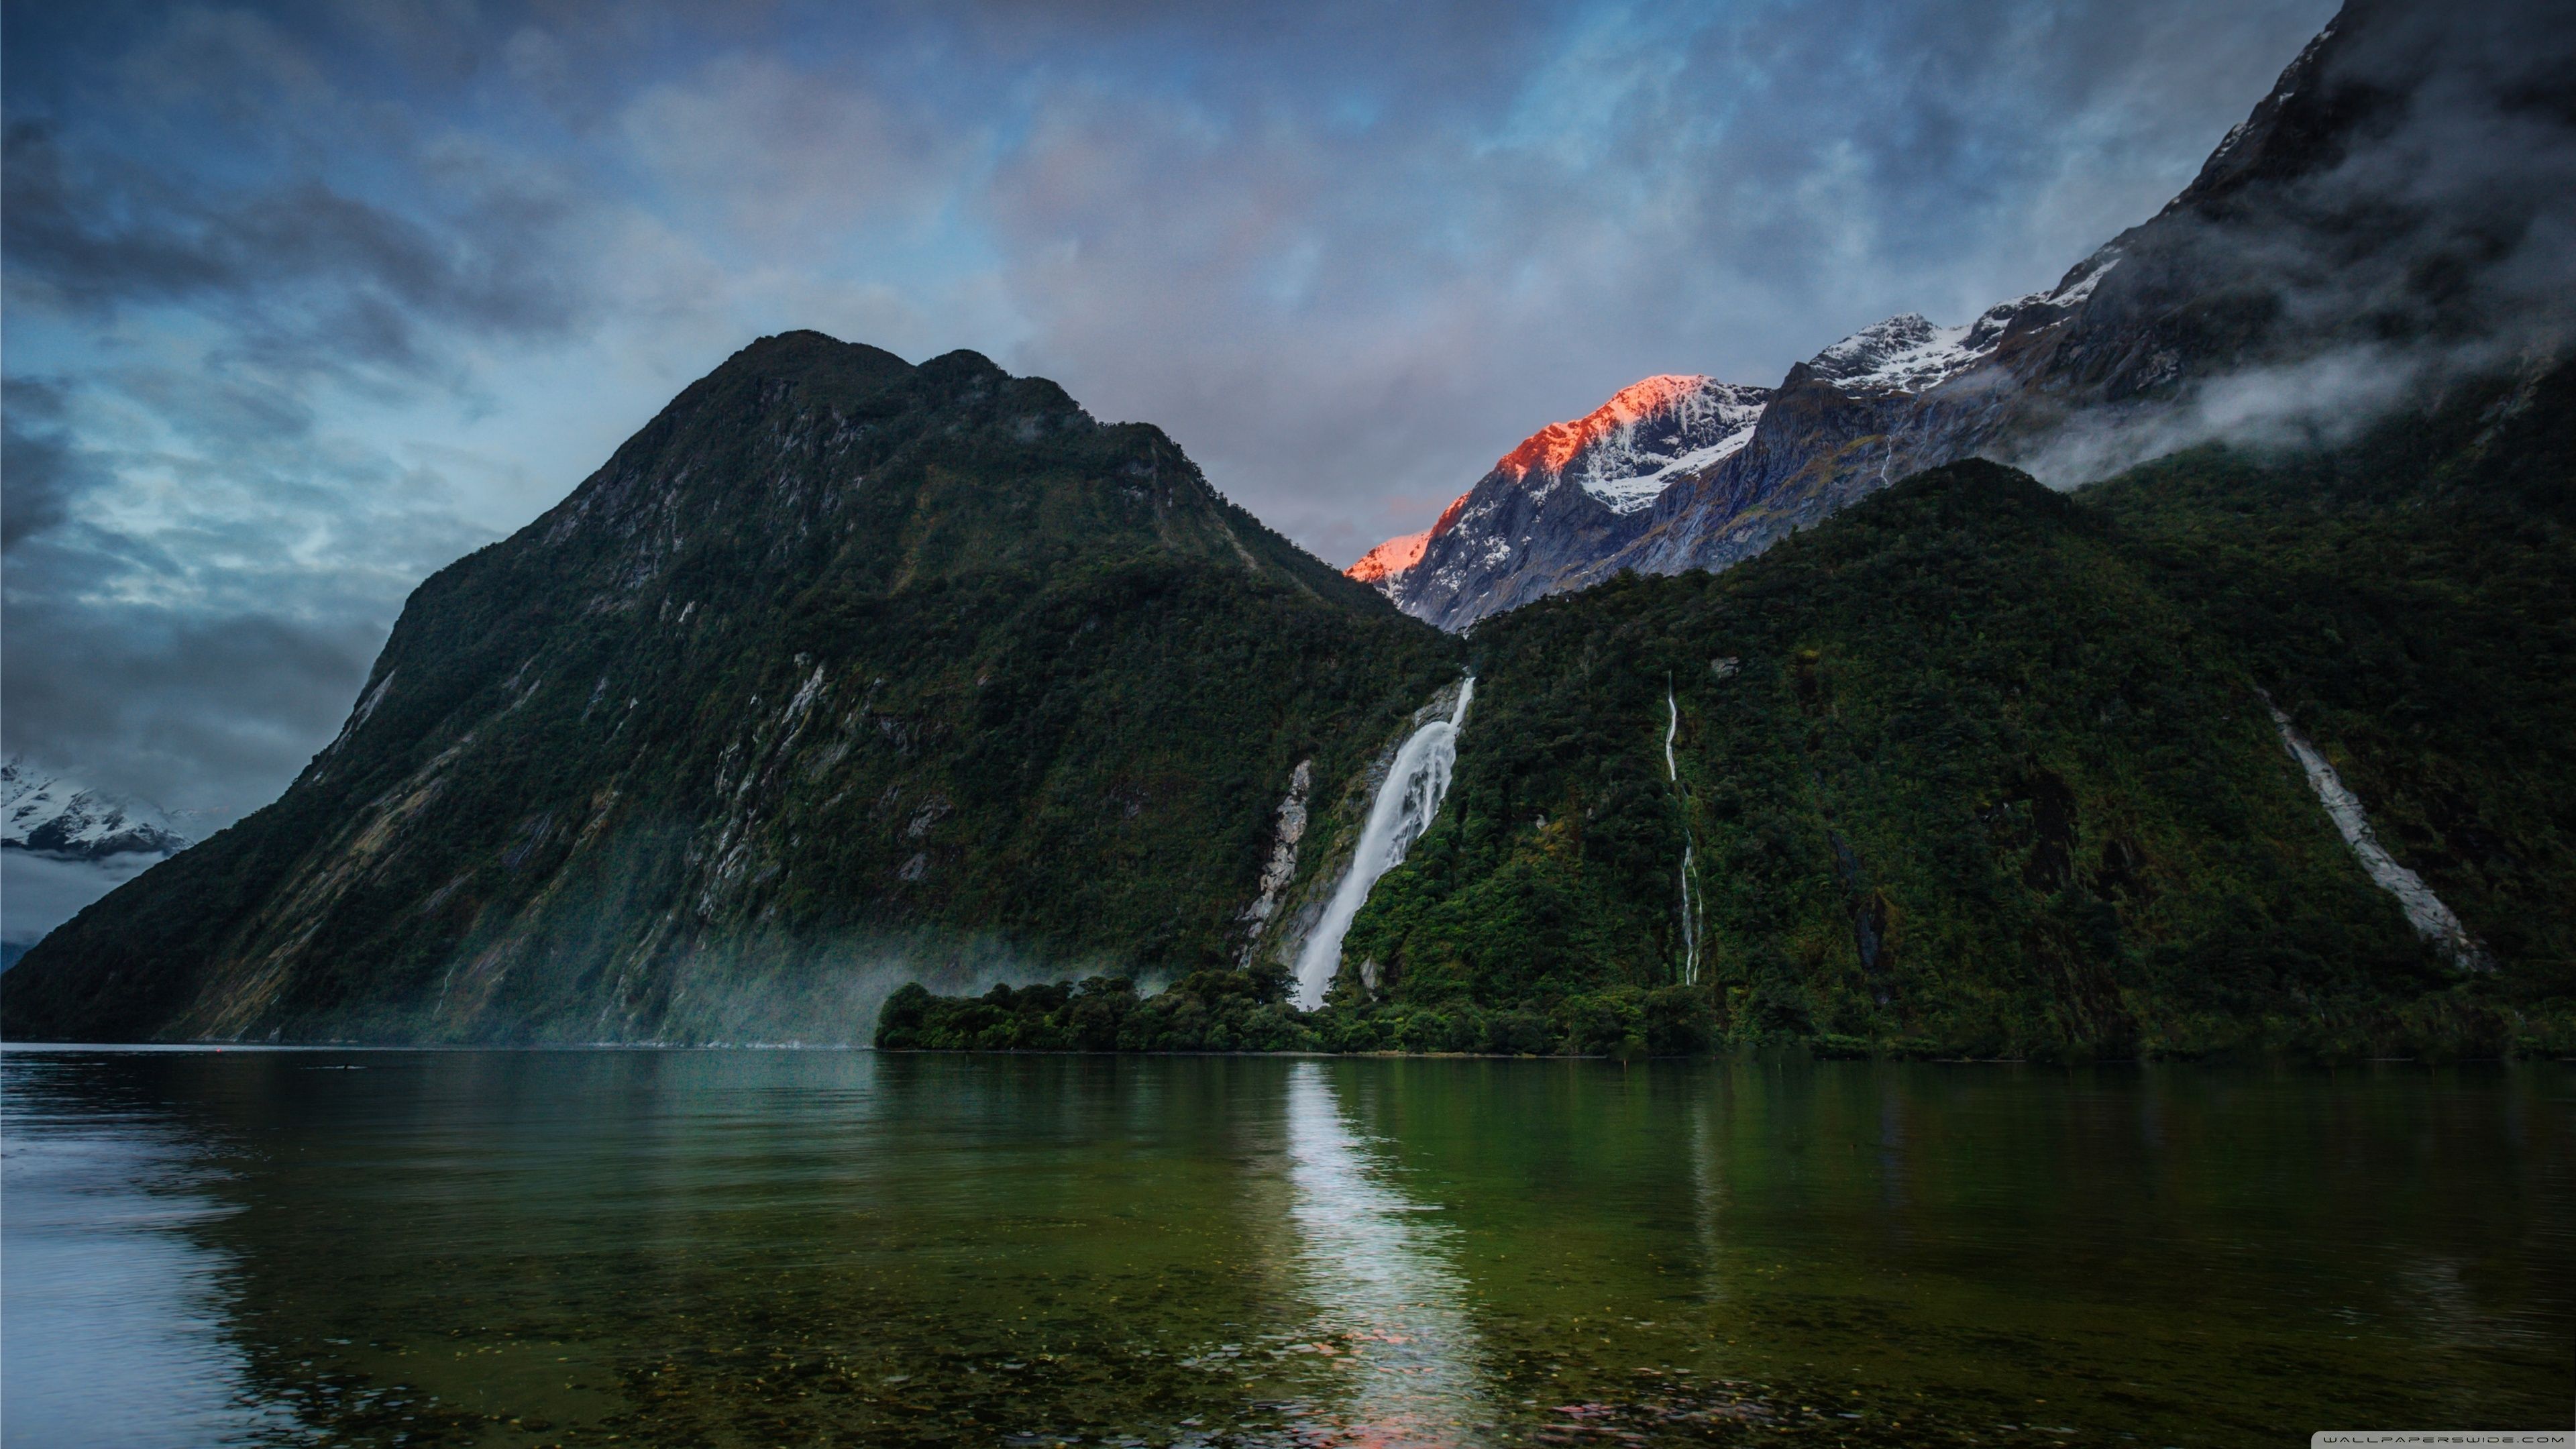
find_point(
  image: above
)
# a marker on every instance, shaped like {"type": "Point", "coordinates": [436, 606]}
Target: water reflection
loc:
{"type": "Point", "coordinates": [515, 1250]}
{"type": "Point", "coordinates": [1390, 1308]}
{"type": "Point", "coordinates": [105, 1281]}
{"type": "Point", "coordinates": [1708, 1196]}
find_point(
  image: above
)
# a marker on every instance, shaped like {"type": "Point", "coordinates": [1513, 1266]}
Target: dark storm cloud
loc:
{"type": "Point", "coordinates": [307, 274]}
{"type": "Point", "coordinates": [1334, 310]}
{"type": "Point", "coordinates": [304, 299]}
{"type": "Point", "coordinates": [198, 662]}
{"type": "Point", "coordinates": [198, 712]}
{"type": "Point", "coordinates": [40, 468]}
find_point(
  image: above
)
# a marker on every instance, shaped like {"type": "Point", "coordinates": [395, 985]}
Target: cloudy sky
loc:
{"type": "Point", "coordinates": [303, 301]}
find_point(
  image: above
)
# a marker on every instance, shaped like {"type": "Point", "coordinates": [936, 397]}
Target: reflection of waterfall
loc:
{"type": "Point", "coordinates": [1401, 812]}
{"type": "Point", "coordinates": [1708, 1191]}
{"type": "Point", "coordinates": [1690, 849]}
{"type": "Point", "coordinates": [1391, 1310]}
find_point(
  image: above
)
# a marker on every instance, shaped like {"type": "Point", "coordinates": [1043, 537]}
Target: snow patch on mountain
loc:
{"type": "Point", "coordinates": [50, 815]}
{"type": "Point", "coordinates": [1651, 432]}
{"type": "Point", "coordinates": [2086, 278]}
{"type": "Point", "coordinates": [1907, 354]}
{"type": "Point", "coordinates": [1629, 473]}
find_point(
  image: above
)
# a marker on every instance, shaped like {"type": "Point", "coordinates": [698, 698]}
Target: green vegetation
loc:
{"type": "Point", "coordinates": [841, 670]}
{"type": "Point", "coordinates": [1219, 1010]}
{"type": "Point", "coordinates": [845, 673]}
{"type": "Point", "coordinates": [1978, 769]}
{"type": "Point", "coordinates": [2410, 601]}
{"type": "Point", "coordinates": [1230, 1010]}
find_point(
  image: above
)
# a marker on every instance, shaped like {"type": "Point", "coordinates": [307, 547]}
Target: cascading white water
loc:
{"type": "Point", "coordinates": [1690, 915]}
{"type": "Point", "coordinates": [1672, 727]}
{"type": "Point", "coordinates": [1414, 787]}
{"type": "Point", "coordinates": [2424, 910]}
{"type": "Point", "coordinates": [1690, 847]}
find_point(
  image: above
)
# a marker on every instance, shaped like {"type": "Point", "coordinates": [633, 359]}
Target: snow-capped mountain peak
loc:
{"type": "Point", "coordinates": [49, 815]}
{"type": "Point", "coordinates": [1513, 533]}
{"type": "Point", "coordinates": [1629, 449]}
{"type": "Point", "coordinates": [1908, 354]}
{"type": "Point", "coordinates": [1552, 447]}
{"type": "Point", "coordinates": [1391, 557]}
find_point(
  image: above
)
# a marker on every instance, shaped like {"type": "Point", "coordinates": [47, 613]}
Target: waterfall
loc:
{"type": "Point", "coordinates": [1690, 914]}
{"type": "Point", "coordinates": [1690, 846]}
{"type": "Point", "coordinates": [1402, 810]}
{"type": "Point", "coordinates": [1672, 727]}
{"type": "Point", "coordinates": [2424, 910]}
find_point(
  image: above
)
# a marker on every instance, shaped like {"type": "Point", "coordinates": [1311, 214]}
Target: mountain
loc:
{"type": "Point", "coordinates": [2250, 752]}
{"type": "Point", "coordinates": [2257, 750]}
{"type": "Point", "coordinates": [64, 845]}
{"type": "Point", "coordinates": [841, 671]}
{"type": "Point", "coordinates": [47, 814]}
{"type": "Point", "coordinates": [1571, 493]}
{"type": "Point", "coordinates": [2236, 754]}
{"type": "Point", "coordinates": [1975, 767]}
{"type": "Point", "coordinates": [856, 695]}
{"type": "Point", "coordinates": [2388, 220]}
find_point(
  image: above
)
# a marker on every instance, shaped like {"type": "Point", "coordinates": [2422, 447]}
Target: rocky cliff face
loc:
{"type": "Point", "coordinates": [1571, 493]}
{"type": "Point", "coordinates": [842, 671]}
{"type": "Point", "coordinates": [1886, 402]}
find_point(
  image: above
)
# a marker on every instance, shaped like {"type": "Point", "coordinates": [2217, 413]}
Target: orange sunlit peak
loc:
{"type": "Point", "coordinates": [1391, 557]}
{"type": "Point", "coordinates": [1555, 445]}
{"type": "Point", "coordinates": [1398, 554]}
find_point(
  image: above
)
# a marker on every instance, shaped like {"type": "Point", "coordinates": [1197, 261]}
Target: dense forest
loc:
{"type": "Point", "coordinates": [846, 673]}
{"type": "Point", "coordinates": [1975, 768]}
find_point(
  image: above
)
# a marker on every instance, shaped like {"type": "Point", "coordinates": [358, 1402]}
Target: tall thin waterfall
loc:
{"type": "Point", "coordinates": [1403, 809]}
{"type": "Point", "coordinates": [2424, 910]}
{"type": "Point", "coordinates": [1690, 848]}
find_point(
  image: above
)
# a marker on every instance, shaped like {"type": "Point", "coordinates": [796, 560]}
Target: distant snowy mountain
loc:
{"type": "Point", "coordinates": [2339, 233]}
{"type": "Point", "coordinates": [1890, 400]}
{"type": "Point", "coordinates": [47, 814]}
{"type": "Point", "coordinates": [1628, 450]}
{"type": "Point", "coordinates": [1568, 495]}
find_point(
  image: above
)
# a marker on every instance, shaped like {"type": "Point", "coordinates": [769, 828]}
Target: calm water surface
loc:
{"type": "Point", "coordinates": [739, 1248]}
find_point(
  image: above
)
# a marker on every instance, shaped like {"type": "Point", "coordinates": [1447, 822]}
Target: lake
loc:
{"type": "Point", "coordinates": [749, 1247]}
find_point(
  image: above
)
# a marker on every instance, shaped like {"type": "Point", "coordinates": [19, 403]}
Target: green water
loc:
{"type": "Point", "coordinates": [738, 1248]}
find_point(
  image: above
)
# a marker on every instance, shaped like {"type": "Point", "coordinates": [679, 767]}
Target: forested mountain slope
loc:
{"type": "Point", "coordinates": [1979, 768]}
{"type": "Point", "coordinates": [841, 671]}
